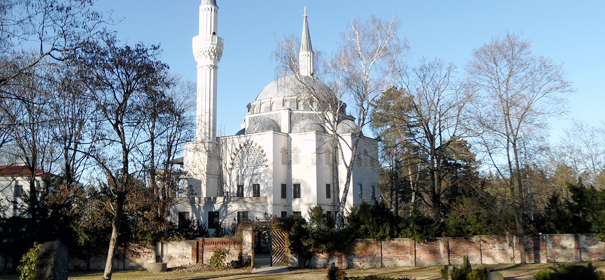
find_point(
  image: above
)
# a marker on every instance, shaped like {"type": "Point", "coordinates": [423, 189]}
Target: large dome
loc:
{"type": "Point", "coordinates": [293, 86]}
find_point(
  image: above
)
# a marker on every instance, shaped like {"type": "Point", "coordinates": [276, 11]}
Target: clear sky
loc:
{"type": "Point", "coordinates": [569, 32]}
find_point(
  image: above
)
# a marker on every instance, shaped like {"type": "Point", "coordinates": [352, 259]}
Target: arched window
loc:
{"type": "Point", "coordinates": [249, 156]}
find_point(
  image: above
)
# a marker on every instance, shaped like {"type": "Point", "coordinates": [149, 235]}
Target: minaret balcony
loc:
{"type": "Point", "coordinates": [208, 46]}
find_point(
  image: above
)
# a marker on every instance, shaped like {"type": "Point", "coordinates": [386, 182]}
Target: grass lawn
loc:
{"type": "Point", "coordinates": [509, 271]}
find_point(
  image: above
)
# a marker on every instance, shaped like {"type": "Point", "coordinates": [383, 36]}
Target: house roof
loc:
{"type": "Point", "coordinates": [18, 171]}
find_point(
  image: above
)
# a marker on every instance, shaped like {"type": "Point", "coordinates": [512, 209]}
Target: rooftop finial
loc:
{"type": "Point", "coordinates": [305, 56]}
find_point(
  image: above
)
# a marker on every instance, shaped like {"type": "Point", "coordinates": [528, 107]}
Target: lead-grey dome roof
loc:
{"type": "Point", "coordinates": [261, 124]}
{"type": "Point", "coordinates": [209, 2]}
{"type": "Point", "coordinates": [307, 125]}
{"type": "Point", "coordinates": [346, 127]}
{"type": "Point", "coordinates": [292, 86]}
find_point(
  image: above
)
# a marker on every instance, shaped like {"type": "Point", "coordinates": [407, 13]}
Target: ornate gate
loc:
{"type": "Point", "coordinates": [279, 247]}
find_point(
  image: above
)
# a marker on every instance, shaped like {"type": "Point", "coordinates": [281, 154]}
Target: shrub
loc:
{"type": "Point", "coordinates": [374, 277]}
{"type": "Point", "coordinates": [569, 272]}
{"type": "Point", "coordinates": [465, 272]}
{"type": "Point", "coordinates": [336, 274]}
{"type": "Point", "coordinates": [28, 263]}
{"type": "Point", "coordinates": [217, 261]}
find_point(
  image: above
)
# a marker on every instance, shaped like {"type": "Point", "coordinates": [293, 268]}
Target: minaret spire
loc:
{"type": "Point", "coordinates": [305, 56]}
{"type": "Point", "coordinates": [207, 49]}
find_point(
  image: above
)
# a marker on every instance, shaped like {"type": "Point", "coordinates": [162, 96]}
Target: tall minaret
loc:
{"type": "Point", "coordinates": [201, 159]}
{"type": "Point", "coordinates": [305, 56]}
{"type": "Point", "coordinates": [207, 49]}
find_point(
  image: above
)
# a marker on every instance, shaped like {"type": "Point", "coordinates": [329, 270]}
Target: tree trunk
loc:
{"type": "Point", "coordinates": [115, 230]}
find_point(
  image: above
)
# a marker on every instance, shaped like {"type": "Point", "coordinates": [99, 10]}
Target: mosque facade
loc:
{"type": "Point", "coordinates": [282, 161]}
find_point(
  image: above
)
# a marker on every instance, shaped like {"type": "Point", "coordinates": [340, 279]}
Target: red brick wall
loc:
{"type": "Point", "coordinates": [562, 248]}
{"type": "Point", "coordinates": [431, 252]}
{"type": "Point", "coordinates": [398, 252]}
{"type": "Point", "coordinates": [203, 249]}
{"type": "Point", "coordinates": [365, 253]}
{"type": "Point", "coordinates": [496, 249]}
{"type": "Point", "coordinates": [460, 247]}
{"type": "Point", "coordinates": [591, 248]}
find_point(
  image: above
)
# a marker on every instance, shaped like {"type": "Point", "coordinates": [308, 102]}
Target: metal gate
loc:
{"type": "Point", "coordinates": [279, 247]}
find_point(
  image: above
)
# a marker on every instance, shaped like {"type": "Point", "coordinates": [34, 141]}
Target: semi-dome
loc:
{"type": "Point", "coordinates": [307, 125]}
{"type": "Point", "coordinates": [262, 124]}
{"type": "Point", "coordinates": [346, 127]}
{"type": "Point", "coordinates": [293, 86]}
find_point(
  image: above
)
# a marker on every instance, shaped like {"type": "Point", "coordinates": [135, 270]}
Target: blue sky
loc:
{"type": "Point", "coordinates": [568, 32]}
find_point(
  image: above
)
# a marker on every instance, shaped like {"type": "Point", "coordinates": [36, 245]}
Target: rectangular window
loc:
{"type": "Point", "coordinates": [360, 191]}
{"type": "Point", "coordinates": [297, 213]}
{"type": "Point", "coordinates": [296, 191]}
{"type": "Point", "coordinates": [256, 190]}
{"type": "Point", "coordinates": [328, 191]}
{"type": "Point", "coordinates": [283, 191]}
{"type": "Point", "coordinates": [240, 191]}
{"type": "Point", "coordinates": [18, 191]}
{"type": "Point", "coordinates": [373, 193]}
{"type": "Point", "coordinates": [284, 214]}
{"type": "Point", "coordinates": [183, 221]}
{"type": "Point", "coordinates": [213, 219]}
{"type": "Point", "coordinates": [242, 217]}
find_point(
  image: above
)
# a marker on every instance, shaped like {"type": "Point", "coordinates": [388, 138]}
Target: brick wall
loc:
{"type": "Point", "coordinates": [398, 252]}
{"type": "Point", "coordinates": [203, 248]}
{"type": "Point", "coordinates": [483, 249]}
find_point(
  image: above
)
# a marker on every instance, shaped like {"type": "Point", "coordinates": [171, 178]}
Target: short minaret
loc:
{"type": "Point", "coordinates": [207, 49]}
{"type": "Point", "coordinates": [305, 56]}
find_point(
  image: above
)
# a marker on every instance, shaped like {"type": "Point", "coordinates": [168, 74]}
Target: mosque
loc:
{"type": "Point", "coordinates": [281, 162]}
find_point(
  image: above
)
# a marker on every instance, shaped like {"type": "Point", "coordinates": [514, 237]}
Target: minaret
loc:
{"type": "Point", "coordinates": [207, 49]}
{"type": "Point", "coordinates": [201, 159]}
{"type": "Point", "coordinates": [305, 56]}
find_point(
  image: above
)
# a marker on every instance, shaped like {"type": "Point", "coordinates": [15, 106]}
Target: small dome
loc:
{"type": "Point", "coordinates": [262, 124]}
{"type": "Point", "coordinates": [346, 127]}
{"type": "Point", "coordinates": [307, 125]}
{"type": "Point", "coordinates": [291, 86]}
{"type": "Point", "coordinates": [241, 132]}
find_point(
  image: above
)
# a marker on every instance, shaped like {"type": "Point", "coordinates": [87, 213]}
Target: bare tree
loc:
{"type": "Point", "coordinates": [53, 27]}
{"type": "Point", "coordinates": [167, 127]}
{"type": "Point", "coordinates": [426, 116]}
{"type": "Point", "coordinates": [517, 92]}
{"type": "Point", "coordinates": [365, 65]}
{"type": "Point", "coordinates": [583, 149]}
{"type": "Point", "coordinates": [29, 126]}
{"type": "Point", "coordinates": [119, 81]}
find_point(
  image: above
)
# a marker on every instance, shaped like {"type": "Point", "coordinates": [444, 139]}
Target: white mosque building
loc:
{"type": "Point", "coordinates": [281, 162]}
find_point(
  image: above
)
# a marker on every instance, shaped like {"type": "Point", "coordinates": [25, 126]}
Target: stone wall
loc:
{"type": "Point", "coordinates": [483, 249]}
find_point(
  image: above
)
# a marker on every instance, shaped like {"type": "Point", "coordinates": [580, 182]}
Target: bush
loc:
{"type": "Point", "coordinates": [217, 261]}
{"type": "Point", "coordinates": [336, 274]}
{"type": "Point", "coordinates": [465, 272]}
{"type": "Point", "coordinates": [374, 277]}
{"type": "Point", "coordinates": [27, 268]}
{"type": "Point", "coordinates": [569, 272]}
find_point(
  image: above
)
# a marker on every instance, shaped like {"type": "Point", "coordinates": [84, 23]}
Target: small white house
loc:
{"type": "Point", "coordinates": [14, 183]}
